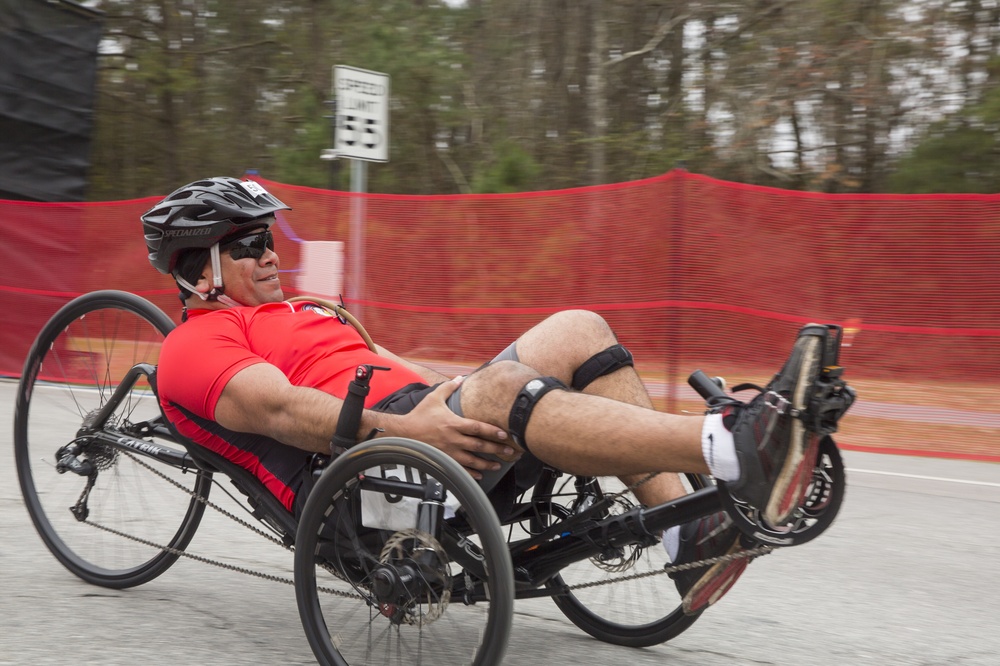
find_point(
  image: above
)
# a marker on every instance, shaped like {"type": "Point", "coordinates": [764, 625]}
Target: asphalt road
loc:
{"type": "Point", "coordinates": [909, 574]}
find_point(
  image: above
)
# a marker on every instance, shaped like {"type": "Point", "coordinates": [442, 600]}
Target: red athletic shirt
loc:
{"type": "Point", "coordinates": [311, 347]}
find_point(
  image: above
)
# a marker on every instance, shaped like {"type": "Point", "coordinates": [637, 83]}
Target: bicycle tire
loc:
{"type": "Point", "coordinates": [71, 370]}
{"type": "Point", "coordinates": [351, 631]}
{"type": "Point", "coordinates": [646, 612]}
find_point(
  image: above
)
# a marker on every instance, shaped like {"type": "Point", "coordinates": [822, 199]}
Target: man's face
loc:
{"type": "Point", "coordinates": [249, 269]}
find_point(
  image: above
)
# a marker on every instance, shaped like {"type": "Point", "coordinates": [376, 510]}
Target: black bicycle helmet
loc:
{"type": "Point", "coordinates": [202, 213]}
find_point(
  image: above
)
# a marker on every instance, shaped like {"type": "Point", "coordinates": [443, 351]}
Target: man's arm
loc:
{"type": "Point", "coordinates": [260, 399]}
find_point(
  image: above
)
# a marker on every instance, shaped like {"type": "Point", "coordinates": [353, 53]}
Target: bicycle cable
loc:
{"type": "Point", "coordinates": [711, 561]}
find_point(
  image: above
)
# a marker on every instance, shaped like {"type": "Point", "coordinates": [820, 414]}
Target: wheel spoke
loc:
{"type": "Point", "coordinates": [85, 349]}
{"type": "Point", "coordinates": [408, 614]}
{"type": "Point", "coordinates": [636, 612]}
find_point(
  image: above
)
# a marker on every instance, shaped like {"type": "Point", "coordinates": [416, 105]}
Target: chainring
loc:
{"type": "Point", "coordinates": [822, 504]}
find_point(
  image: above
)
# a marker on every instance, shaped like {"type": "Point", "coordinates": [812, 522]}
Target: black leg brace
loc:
{"type": "Point", "coordinates": [525, 402]}
{"type": "Point", "coordinates": [600, 364]}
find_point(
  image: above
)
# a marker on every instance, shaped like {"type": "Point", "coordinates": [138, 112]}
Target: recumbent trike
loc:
{"type": "Point", "coordinates": [399, 556]}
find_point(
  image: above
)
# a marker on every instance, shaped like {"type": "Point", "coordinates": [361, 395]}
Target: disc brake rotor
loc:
{"type": "Point", "coordinates": [424, 609]}
{"type": "Point", "coordinates": [618, 559]}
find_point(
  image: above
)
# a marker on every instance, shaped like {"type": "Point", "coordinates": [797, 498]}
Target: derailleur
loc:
{"type": "Point", "coordinates": [68, 460]}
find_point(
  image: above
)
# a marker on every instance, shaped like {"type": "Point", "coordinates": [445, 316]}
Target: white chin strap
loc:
{"type": "Point", "coordinates": [218, 290]}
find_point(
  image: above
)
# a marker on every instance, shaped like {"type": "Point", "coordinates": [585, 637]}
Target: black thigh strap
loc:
{"type": "Point", "coordinates": [600, 364]}
{"type": "Point", "coordinates": [525, 403]}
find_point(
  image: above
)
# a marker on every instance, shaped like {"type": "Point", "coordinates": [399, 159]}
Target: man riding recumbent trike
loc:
{"type": "Point", "coordinates": [545, 472]}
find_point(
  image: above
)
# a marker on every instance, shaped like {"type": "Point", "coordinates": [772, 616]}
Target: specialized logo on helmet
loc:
{"type": "Point", "coordinates": [204, 231]}
{"type": "Point", "coordinates": [252, 188]}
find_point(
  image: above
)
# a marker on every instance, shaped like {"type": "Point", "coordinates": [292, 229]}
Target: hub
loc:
{"type": "Point", "coordinates": [395, 588]}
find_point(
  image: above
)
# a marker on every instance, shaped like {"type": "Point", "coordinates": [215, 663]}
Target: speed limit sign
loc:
{"type": "Point", "coordinates": [362, 114]}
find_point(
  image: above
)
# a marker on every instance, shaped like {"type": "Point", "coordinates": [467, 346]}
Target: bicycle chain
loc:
{"type": "Point", "coordinates": [208, 503]}
{"type": "Point", "coordinates": [751, 553]}
{"type": "Point", "coordinates": [206, 560]}
{"type": "Point", "coordinates": [696, 564]}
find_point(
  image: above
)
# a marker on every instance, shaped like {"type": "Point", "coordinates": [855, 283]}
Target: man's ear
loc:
{"type": "Point", "coordinates": [204, 283]}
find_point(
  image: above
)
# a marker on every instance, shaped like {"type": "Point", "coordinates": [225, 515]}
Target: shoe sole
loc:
{"type": "Point", "coordinates": [714, 584]}
{"type": "Point", "coordinates": [792, 477]}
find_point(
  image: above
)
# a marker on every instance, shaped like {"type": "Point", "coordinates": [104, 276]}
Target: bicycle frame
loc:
{"type": "Point", "coordinates": [579, 537]}
{"type": "Point", "coordinates": [536, 559]}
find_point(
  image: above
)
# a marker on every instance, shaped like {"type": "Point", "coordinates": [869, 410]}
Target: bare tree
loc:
{"type": "Point", "coordinates": [541, 94]}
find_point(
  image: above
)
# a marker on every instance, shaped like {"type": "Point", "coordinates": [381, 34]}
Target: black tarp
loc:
{"type": "Point", "coordinates": [48, 64]}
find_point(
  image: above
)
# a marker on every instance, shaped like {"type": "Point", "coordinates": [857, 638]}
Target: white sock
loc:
{"type": "Point", "coordinates": [672, 542]}
{"type": "Point", "coordinates": [719, 449]}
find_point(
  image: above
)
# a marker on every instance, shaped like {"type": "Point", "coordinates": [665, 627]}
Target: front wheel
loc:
{"type": "Point", "coordinates": [83, 492]}
{"type": "Point", "coordinates": [390, 578]}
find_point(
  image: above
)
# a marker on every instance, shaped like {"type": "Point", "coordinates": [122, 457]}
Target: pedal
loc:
{"type": "Point", "coordinates": [831, 346]}
{"type": "Point", "coordinates": [832, 397]}
{"type": "Point", "coordinates": [830, 401]}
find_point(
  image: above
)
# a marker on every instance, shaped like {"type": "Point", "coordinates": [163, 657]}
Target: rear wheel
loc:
{"type": "Point", "coordinates": [82, 490]}
{"type": "Point", "coordinates": [377, 583]}
{"type": "Point", "coordinates": [634, 613]}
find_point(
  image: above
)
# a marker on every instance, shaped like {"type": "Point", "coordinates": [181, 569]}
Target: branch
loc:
{"type": "Point", "coordinates": [456, 172]}
{"type": "Point", "coordinates": [743, 27]}
{"type": "Point", "coordinates": [809, 149]}
{"type": "Point", "coordinates": [654, 41]}
{"type": "Point", "coordinates": [774, 173]}
{"type": "Point", "coordinates": [236, 47]}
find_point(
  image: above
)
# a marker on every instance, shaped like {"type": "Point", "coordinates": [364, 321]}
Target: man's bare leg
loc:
{"type": "Point", "coordinates": [625, 385]}
{"type": "Point", "coordinates": [592, 435]}
{"type": "Point", "coordinates": [587, 434]}
{"type": "Point", "coordinates": [557, 347]}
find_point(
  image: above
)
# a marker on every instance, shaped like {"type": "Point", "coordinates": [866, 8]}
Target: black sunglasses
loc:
{"type": "Point", "coordinates": [253, 246]}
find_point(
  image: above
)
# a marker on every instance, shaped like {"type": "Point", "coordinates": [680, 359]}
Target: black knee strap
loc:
{"type": "Point", "coordinates": [525, 402]}
{"type": "Point", "coordinates": [600, 364]}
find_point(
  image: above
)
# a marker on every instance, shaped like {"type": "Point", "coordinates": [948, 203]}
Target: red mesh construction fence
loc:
{"type": "Point", "coordinates": [691, 272]}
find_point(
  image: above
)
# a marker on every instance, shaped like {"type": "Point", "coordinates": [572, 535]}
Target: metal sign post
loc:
{"type": "Point", "coordinates": [362, 136]}
{"type": "Point", "coordinates": [356, 281]}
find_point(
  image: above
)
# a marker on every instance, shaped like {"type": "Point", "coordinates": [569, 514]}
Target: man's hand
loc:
{"type": "Point", "coordinates": [465, 440]}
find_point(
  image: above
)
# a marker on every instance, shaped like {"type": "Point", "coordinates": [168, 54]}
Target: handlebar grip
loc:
{"type": "Point", "coordinates": [705, 387]}
{"type": "Point", "coordinates": [351, 411]}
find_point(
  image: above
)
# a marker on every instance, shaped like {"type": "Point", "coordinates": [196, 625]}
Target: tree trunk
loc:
{"type": "Point", "coordinates": [597, 102]}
